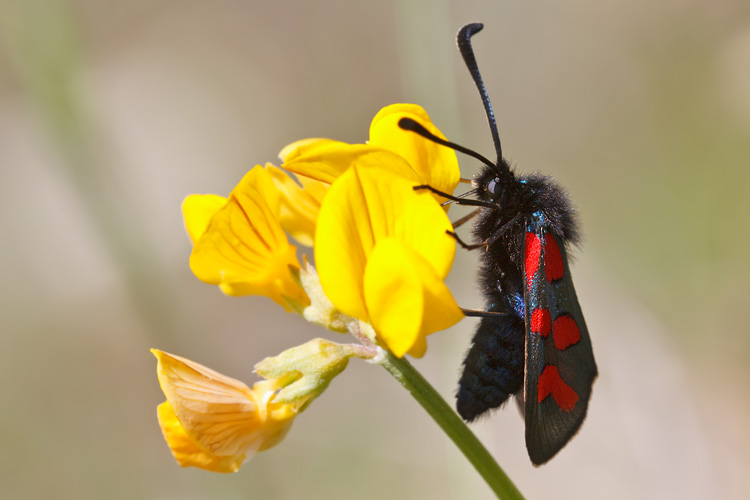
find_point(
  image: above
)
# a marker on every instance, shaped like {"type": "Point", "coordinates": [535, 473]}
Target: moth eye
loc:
{"type": "Point", "coordinates": [493, 186]}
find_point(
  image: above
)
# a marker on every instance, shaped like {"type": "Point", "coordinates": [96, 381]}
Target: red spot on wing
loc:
{"type": "Point", "coordinates": [554, 267]}
{"type": "Point", "coordinates": [550, 382]}
{"type": "Point", "coordinates": [565, 332]}
{"type": "Point", "coordinates": [533, 256]}
{"type": "Point", "coordinates": [541, 322]}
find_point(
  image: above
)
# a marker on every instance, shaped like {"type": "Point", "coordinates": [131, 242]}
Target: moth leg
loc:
{"type": "Point", "coordinates": [457, 199]}
{"type": "Point", "coordinates": [463, 244]}
{"type": "Point", "coordinates": [487, 242]}
{"type": "Point", "coordinates": [478, 313]}
{"type": "Point", "coordinates": [502, 230]}
{"type": "Point", "coordinates": [465, 219]}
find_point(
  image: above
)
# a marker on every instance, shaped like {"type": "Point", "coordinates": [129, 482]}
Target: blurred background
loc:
{"type": "Point", "coordinates": [112, 112]}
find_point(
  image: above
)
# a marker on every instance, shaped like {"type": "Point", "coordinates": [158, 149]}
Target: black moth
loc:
{"type": "Point", "coordinates": [532, 340]}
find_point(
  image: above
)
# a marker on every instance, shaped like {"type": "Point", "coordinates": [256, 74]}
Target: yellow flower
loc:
{"type": "Point", "coordinates": [215, 422]}
{"type": "Point", "coordinates": [381, 248]}
{"type": "Point", "coordinates": [240, 245]}
{"type": "Point", "coordinates": [419, 160]}
{"type": "Point", "coordinates": [299, 205]}
{"type": "Point", "coordinates": [382, 253]}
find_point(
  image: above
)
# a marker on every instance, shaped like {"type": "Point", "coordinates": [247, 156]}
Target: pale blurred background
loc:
{"type": "Point", "coordinates": [112, 112]}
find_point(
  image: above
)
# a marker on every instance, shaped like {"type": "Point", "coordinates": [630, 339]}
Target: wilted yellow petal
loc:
{"type": "Point", "coordinates": [184, 449]}
{"type": "Point", "coordinates": [299, 204]}
{"type": "Point", "coordinates": [215, 422]}
{"type": "Point", "coordinates": [437, 165]}
{"type": "Point", "coordinates": [244, 249]}
{"type": "Point", "coordinates": [406, 299]}
{"type": "Point", "coordinates": [197, 210]}
{"type": "Point", "coordinates": [218, 413]}
{"type": "Point", "coordinates": [367, 205]}
{"type": "Point", "coordinates": [277, 417]}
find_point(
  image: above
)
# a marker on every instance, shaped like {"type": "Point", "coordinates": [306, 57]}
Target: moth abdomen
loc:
{"type": "Point", "coordinates": [494, 366]}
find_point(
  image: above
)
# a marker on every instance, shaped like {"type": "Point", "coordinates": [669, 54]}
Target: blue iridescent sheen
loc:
{"type": "Point", "coordinates": [515, 303]}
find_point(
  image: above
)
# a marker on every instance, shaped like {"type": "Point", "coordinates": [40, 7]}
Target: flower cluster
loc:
{"type": "Point", "coordinates": [381, 255]}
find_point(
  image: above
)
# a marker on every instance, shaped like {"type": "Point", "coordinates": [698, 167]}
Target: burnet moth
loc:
{"type": "Point", "coordinates": [532, 340]}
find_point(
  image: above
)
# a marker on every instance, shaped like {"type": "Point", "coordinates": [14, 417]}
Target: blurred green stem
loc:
{"type": "Point", "coordinates": [42, 41]}
{"type": "Point", "coordinates": [454, 427]}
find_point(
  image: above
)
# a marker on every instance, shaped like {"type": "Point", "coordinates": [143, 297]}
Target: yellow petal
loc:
{"type": "Point", "coordinates": [291, 147]}
{"type": "Point", "coordinates": [384, 160]}
{"type": "Point", "coordinates": [366, 205]}
{"type": "Point", "coordinates": [299, 205]}
{"type": "Point", "coordinates": [184, 449]}
{"type": "Point", "coordinates": [244, 249]}
{"type": "Point", "coordinates": [436, 164]}
{"type": "Point", "coordinates": [197, 210]}
{"type": "Point", "coordinates": [325, 160]}
{"type": "Point", "coordinates": [343, 240]}
{"type": "Point", "coordinates": [414, 217]}
{"type": "Point", "coordinates": [218, 413]}
{"type": "Point", "coordinates": [405, 298]}
{"type": "Point", "coordinates": [441, 309]}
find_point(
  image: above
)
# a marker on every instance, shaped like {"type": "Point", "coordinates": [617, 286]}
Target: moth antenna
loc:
{"type": "Point", "coordinates": [418, 128]}
{"type": "Point", "coordinates": [463, 39]}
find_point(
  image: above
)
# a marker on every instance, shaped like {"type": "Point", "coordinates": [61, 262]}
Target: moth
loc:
{"type": "Point", "coordinates": [532, 340]}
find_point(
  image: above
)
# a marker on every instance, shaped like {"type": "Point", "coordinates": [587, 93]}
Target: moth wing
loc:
{"type": "Point", "coordinates": [559, 366]}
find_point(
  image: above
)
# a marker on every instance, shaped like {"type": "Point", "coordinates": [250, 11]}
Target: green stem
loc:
{"type": "Point", "coordinates": [452, 424]}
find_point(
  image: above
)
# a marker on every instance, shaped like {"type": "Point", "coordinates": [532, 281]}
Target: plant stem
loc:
{"type": "Point", "coordinates": [451, 423]}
